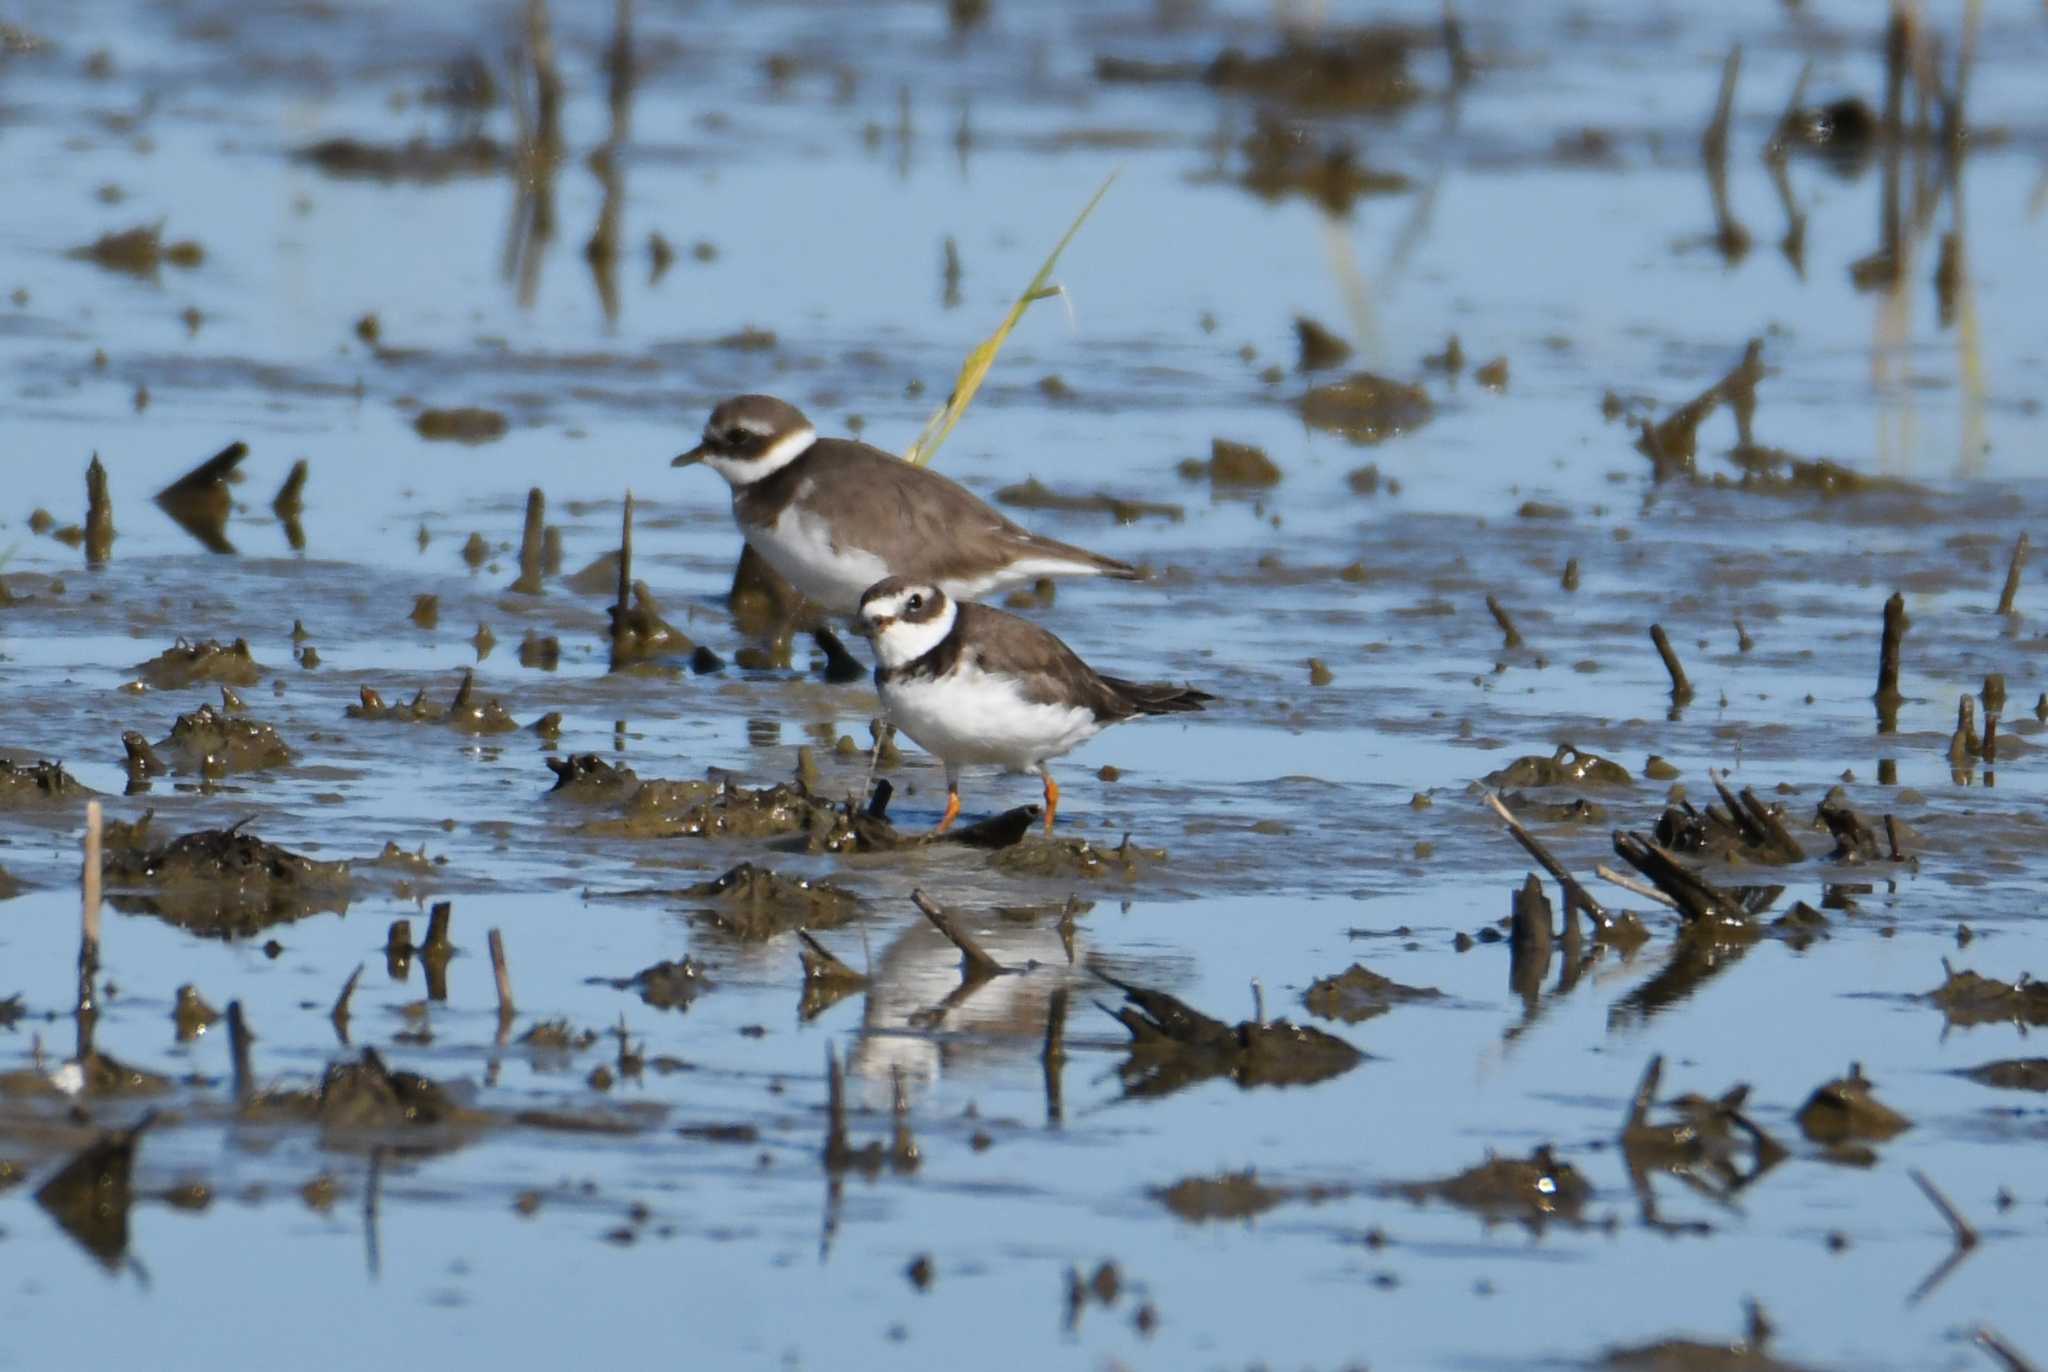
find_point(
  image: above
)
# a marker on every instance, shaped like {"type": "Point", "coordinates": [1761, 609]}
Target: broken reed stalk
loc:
{"type": "Point", "coordinates": [503, 972]}
{"type": "Point", "coordinates": [339, 1014]}
{"type": "Point", "coordinates": [1681, 689]}
{"type": "Point", "coordinates": [976, 964]}
{"type": "Point", "coordinates": [1576, 896]}
{"type": "Point", "coordinates": [1629, 883]}
{"type": "Point", "coordinates": [1454, 47]}
{"type": "Point", "coordinates": [89, 913]}
{"type": "Point", "coordinates": [2013, 571]}
{"type": "Point", "coordinates": [1888, 697]}
{"type": "Point", "coordinates": [238, 1050]}
{"type": "Point", "coordinates": [1965, 1236]}
{"type": "Point", "coordinates": [531, 539]}
{"type": "Point", "coordinates": [1714, 143]}
{"type": "Point", "coordinates": [620, 622]}
{"type": "Point", "coordinates": [1511, 635]}
{"type": "Point", "coordinates": [2004, 1353]}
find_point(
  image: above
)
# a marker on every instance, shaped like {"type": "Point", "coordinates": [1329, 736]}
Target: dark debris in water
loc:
{"type": "Point", "coordinates": [668, 985]}
{"type": "Point", "coordinates": [220, 882]}
{"type": "Point", "coordinates": [185, 663]}
{"type": "Point", "coordinates": [1533, 1190]}
{"type": "Point", "coordinates": [1968, 998]}
{"type": "Point", "coordinates": [208, 742]}
{"type": "Point", "coordinates": [755, 904]}
{"type": "Point", "coordinates": [140, 251]}
{"type": "Point", "coordinates": [1234, 1196]}
{"type": "Point", "coordinates": [1846, 1109]}
{"type": "Point", "coordinates": [466, 713]}
{"type": "Point", "coordinates": [1174, 1045]}
{"type": "Point", "coordinates": [1568, 766]}
{"type": "Point", "coordinates": [1746, 1354]}
{"type": "Point", "coordinates": [417, 160]}
{"type": "Point", "coordinates": [35, 785]}
{"type": "Point", "coordinates": [1358, 993]}
{"type": "Point", "coordinates": [2011, 1074]}
{"type": "Point", "coordinates": [1366, 408]}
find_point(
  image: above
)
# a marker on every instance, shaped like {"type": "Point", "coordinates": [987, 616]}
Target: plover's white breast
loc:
{"type": "Point", "coordinates": [799, 545]}
{"type": "Point", "coordinates": [971, 715]}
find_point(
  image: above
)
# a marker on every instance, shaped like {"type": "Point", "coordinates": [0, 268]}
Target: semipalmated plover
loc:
{"type": "Point", "coordinates": [970, 683]}
{"type": "Point", "coordinates": [834, 516]}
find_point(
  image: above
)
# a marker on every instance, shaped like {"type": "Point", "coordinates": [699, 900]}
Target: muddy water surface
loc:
{"type": "Point", "coordinates": [605, 1173]}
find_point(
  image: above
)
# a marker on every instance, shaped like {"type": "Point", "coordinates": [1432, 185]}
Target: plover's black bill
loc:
{"type": "Point", "coordinates": [690, 458]}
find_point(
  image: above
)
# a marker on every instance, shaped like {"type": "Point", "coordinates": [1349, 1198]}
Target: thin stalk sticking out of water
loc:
{"type": "Point", "coordinates": [620, 627]}
{"type": "Point", "coordinates": [503, 972]}
{"type": "Point", "coordinates": [1576, 897]}
{"type": "Point", "coordinates": [2013, 571]}
{"type": "Point", "coordinates": [1681, 689]}
{"type": "Point", "coordinates": [1888, 697]}
{"type": "Point", "coordinates": [1511, 636]}
{"type": "Point", "coordinates": [1960, 1229]}
{"type": "Point", "coordinates": [1630, 884]}
{"type": "Point", "coordinates": [340, 1012]}
{"type": "Point", "coordinates": [238, 1049]}
{"type": "Point", "coordinates": [530, 541]}
{"type": "Point", "coordinates": [975, 962]}
{"type": "Point", "coordinates": [87, 1009]}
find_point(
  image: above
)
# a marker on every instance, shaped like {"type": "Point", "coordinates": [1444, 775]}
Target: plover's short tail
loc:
{"type": "Point", "coordinates": [1157, 698]}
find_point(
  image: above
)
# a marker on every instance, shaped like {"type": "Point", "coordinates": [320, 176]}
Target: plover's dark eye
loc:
{"type": "Point", "coordinates": [736, 438]}
{"type": "Point", "coordinates": [914, 604]}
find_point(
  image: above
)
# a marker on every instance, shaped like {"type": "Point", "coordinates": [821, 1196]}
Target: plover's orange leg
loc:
{"type": "Point", "coordinates": [1052, 798]}
{"type": "Point", "coordinates": [952, 800]}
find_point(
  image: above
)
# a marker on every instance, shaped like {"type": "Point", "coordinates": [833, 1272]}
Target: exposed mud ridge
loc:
{"type": "Point", "coordinates": [1357, 994]}
{"type": "Point", "coordinates": [665, 985]}
{"type": "Point", "coordinates": [466, 713]}
{"type": "Point", "coordinates": [1534, 1190]}
{"type": "Point", "coordinates": [755, 904]}
{"type": "Point", "coordinates": [207, 742]}
{"type": "Point", "coordinates": [222, 883]}
{"type": "Point", "coordinates": [1234, 1196]}
{"type": "Point", "coordinates": [1967, 998]}
{"type": "Point", "coordinates": [1568, 766]}
{"type": "Point", "coordinates": [1174, 1046]}
{"type": "Point", "coordinates": [186, 664]}
{"type": "Point", "coordinates": [35, 785]}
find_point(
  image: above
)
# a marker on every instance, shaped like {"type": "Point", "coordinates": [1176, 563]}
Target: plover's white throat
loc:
{"type": "Point", "coordinates": [834, 516]}
{"type": "Point", "coordinates": [972, 684]}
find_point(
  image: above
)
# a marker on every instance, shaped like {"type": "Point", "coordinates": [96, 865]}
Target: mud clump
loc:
{"type": "Point", "coordinates": [362, 1099]}
{"type": "Point", "coordinates": [90, 1196]}
{"type": "Point", "coordinates": [1364, 69]}
{"type": "Point", "coordinates": [1061, 858]}
{"type": "Point", "coordinates": [2011, 1074]}
{"type": "Point", "coordinates": [1233, 464]}
{"type": "Point", "coordinates": [1281, 160]}
{"type": "Point", "coordinates": [467, 713]}
{"type": "Point", "coordinates": [1741, 829]}
{"type": "Point", "coordinates": [1366, 408]}
{"type": "Point", "coordinates": [418, 160]}
{"type": "Point", "coordinates": [25, 785]}
{"type": "Point", "coordinates": [1967, 998]}
{"type": "Point", "coordinates": [219, 882]}
{"type": "Point", "coordinates": [755, 904]}
{"type": "Point", "coordinates": [1032, 494]}
{"type": "Point", "coordinates": [1568, 766]}
{"type": "Point", "coordinates": [1318, 349]}
{"type": "Point", "coordinates": [1847, 1109]}
{"type": "Point", "coordinates": [1746, 1354]}
{"type": "Point", "coordinates": [588, 779]}
{"type": "Point", "coordinates": [1173, 1046]}
{"type": "Point", "coordinates": [1708, 1140]}
{"type": "Point", "coordinates": [1533, 1190]}
{"type": "Point", "coordinates": [665, 985]}
{"type": "Point", "coordinates": [185, 663]}
{"type": "Point", "coordinates": [1357, 994]}
{"type": "Point", "coordinates": [712, 809]}
{"type": "Point", "coordinates": [462, 424]}
{"type": "Point", "coordinates": [1231, 1196]}
{"type": "Point", "coordinates": [209, 743]}
{"type": "Point", "coordinates": [642, 632]}
{"type": "Point", "coordinates": [139, 251]}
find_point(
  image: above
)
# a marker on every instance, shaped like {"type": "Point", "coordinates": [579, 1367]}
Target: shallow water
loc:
{"type": "Point", "coordinates": [1289, 812]}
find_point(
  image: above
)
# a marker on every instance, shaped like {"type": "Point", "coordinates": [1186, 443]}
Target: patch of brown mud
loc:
{"type": "Point", "coordinates": [2011, 1074]}
{"type": "Point", "coordinates": [186, 664]}
{"type": "Point", "coordinates": [418, 160]}
{"type": "Point", "coordinates": [363, 1103]}
{"type": "Point", "coordinates": [1968, 998]}
{"type": "Point", "coordinates": [139, 251]}
{"type": "Point", "coordinates": [1232, 464]}
{"type": "Point", "coordinates": [1173, 1046]}
{"type": "Point", "coordinates": [1533, 1190]}
{"type": "Point", "coordinates": [1846, 1109]}
{"type": "Point", "coordinates": [1363, 69]}
{"type": "Point", "coordinates": [665, 985]}
{"type": "Point", "coordinates": [755, 904]}
{"type": "Point", "coordinates": [1232, 1196]}
{"type": "Point", "coordinates": [1357, 994]}
{"type": "Point", "coordinates": [461, 424]}
{"type": "Point", "coordinates": [1568, 766]}
{"type": "Point", "coordinates": [39, 785]}
{"type": "Point", "coordinates": [1746, 1354]}
{"type": "Point", "coordinates": [208, 743]}
{"type": "Point", "coordinates": [1366, 408]}
{"type": "Point", "coordinates": [466, 713]}
{"type": "Point", "coordinates": [1032, 494]}
{"type": "Point", "coordinates": [218, 882]}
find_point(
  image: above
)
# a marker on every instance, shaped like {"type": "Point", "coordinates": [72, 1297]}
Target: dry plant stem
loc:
{"type": "Point", "coordinates": [1681, 689]}
{"type": "Point", "coordinates": [976, 964]}
{"type": "Point", "coordinates": [2013, 571]}
{"type": "Point", "coordinates": [340, 1012]}
{"type": "Point", "coordinates": [2001, 1352]}
{"type": "Point", "coordinates": [1576, 896]}
{"type": "Point", "coordinates": [238, 1050]}
{"type": "Point", "coordinates": [1965, 1236]}
{"type": "Point", "coordinates": [503, 972]}
{"type": "Point", "coordinates": [1888, 697]}
{"type": "Point", "coordinates": [89, 914]}
{"type": "Point", "coordinates": [1630, 884]}
{"type": "Point", "coordinates": [620, 627]}
{"type": "Point", "coordinates": [1512, 636]}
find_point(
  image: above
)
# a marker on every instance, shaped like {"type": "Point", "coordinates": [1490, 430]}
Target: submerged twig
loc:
{"type": "Point", "coordinates": [1681, 689]}
{"type": "Point", "coordinates": [1576, 896]}
{"type": "Point", "coordinates": [2013, 572]}
{"type": "Point", "coordinates": [976, 964]}
{"type": "Point", "coordinates": [503, 973]}
{"type": "Point", "coordinates": [1511, 635]}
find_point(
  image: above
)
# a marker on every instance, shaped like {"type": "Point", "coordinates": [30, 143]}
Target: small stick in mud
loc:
{"type": "Point", "coordinates": [1888, 697]}
{"type": "Point", "coordinates": [1965, 1236]}
{"type": "Point", "coordinates": [2013, 571]}
{"type": "Point", "coordinates": [1681, 689]}
{"type": "Point", "coordinates": [1576, 896]}
{"type": "Point", "coordinates": [1629, 883]}
{"type": "Point", "coordinates": [976, 964]}
{"type": "Point", "coordinates": [239, 1039]}
{"type": "Point", "coordinates": [1454, 47]}
{"type": "Point", "coordinates": [99, 514]}
{"type": "Point", "coordinates": [339, 1014]}
{"type": "Point", "coordinates": [1743, 642]}
{"type": "Point", "coordinates": [530, 541]}
{"type": "Point", "coordinates": [1512, 636]}
{"type": "Point", "coordinates": [89, 913]}
{"type": "Point", "coordinates": [2002, 1352]}
{"type": "Point", "coordinates": [503, 972]}
{"type": "Point", "coordinates": [620, 625]}
{"type": "Point", "coordinates": [1891, 834]}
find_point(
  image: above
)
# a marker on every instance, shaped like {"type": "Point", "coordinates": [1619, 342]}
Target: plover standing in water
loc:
{"type": "Point", "coordinates": [970, 683]}
{"type": "Point", "coordinates": [834, 516]}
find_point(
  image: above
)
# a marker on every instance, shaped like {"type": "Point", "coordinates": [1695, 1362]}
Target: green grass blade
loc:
{"type": "Point", "coordinates": [983, 355]}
